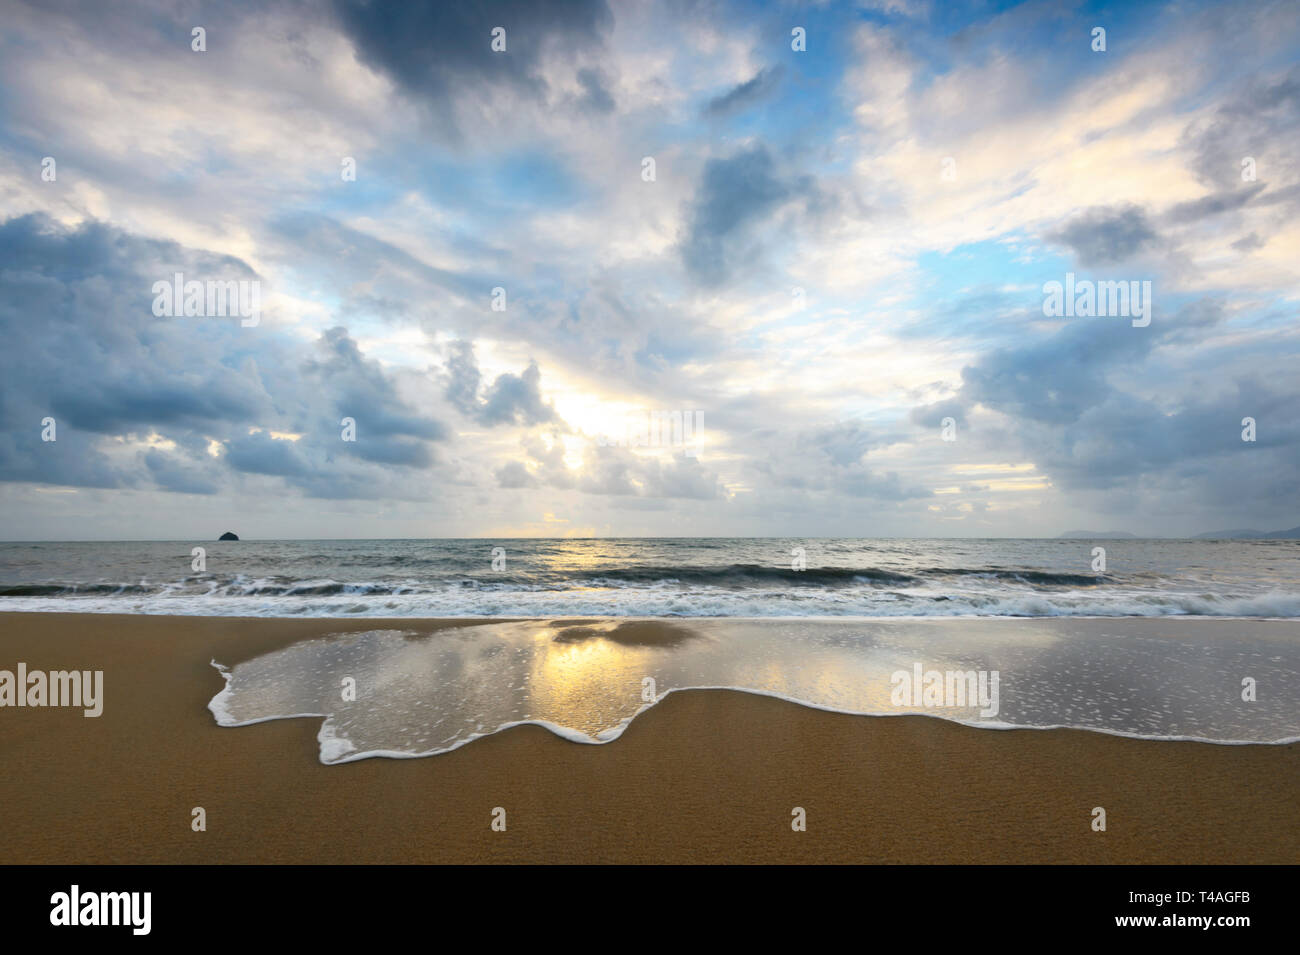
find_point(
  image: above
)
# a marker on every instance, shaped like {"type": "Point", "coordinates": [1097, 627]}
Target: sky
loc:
{"type": "Point", "coordinates": [820, 234]}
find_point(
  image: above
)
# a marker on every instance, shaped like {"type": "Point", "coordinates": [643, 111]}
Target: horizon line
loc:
{"type": "Point", "coordinates": [263, 540]}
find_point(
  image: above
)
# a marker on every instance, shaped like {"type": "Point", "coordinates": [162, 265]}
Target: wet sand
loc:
{"type": "Point", "coordinates": [705, 776]}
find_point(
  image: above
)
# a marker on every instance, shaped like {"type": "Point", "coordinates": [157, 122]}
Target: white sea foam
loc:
{"type": "Point", "coordinates": [670, 577]}
{"type": "Point", "coordinates": [218, 704]}
{"type": "Point", "coordinates": [649, 602]}
{"type": "Point", "coordinates": [423, 694]}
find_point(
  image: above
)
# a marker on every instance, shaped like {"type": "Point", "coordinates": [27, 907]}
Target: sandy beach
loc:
{"type": "Point", "coordinates": [120, 788]}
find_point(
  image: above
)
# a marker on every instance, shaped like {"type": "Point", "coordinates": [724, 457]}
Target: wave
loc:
{"type": "Point", "coordinates": [730, 576]}
{"type": "Point", "coordinates": [331, 601]}
{"type": "Point", "coordinates": [743, 574]}
{"type": "Point", "coordinates": [73, 590]}
{"type": "Point", "coordinates": [1043, 577]}
{"type": "Point", "coordinates": [746, 574]}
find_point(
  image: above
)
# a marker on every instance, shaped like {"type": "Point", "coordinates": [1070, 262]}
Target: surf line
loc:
{"type": "Point", "coordinates": [84, 688]}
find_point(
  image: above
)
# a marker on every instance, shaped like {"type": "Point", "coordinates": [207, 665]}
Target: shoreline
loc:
{"type": "Point", "coordinates": [516, 618]}
{"type": "Point", "coordinates": [120, 788]}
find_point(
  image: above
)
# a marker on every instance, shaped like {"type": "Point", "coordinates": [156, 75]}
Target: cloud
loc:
{"type": "Point", "coordinates": [85, 349]}
{"type": "Point", "coordinates": [513, 474]}
{"type": "Point", "coordinates": [517, 399]}
{"type": "Point", "coordinates": [510, 399]}
{"type": "Point", "coordinates": [522, 169]}
{"type": "Point", "coordinates": [438, 50]}
{"type": "Point", "coordinates": [260, 453]}
{"type": "Point", "coordinates": [115, 377]}
{"type": "Point", "coordinates": [354, 261]}
{"type": "Point", "coordinates": [1080, 414]}
{"type": "Point", "coordinates": [932, 415]}
{"type": "Point", "coordinates": [735, 195]}
{"type": "Point", "coordinates": [1262, 122]}
{"type": "Point", "coordinates": [462, 377]}
{"type": "Point", "coordinates": [681, 478]}
{"type": "Point", "coordinates": [1107, 236]}
{"type": "Point", "coordinates": [741, 97]}
{"type": "Point", "coordinates": [596, 97]}
{"type": "Point", "coordinates": [387, 431]}
{"type": "Point", "coordinates": [825, 463]}
{"type": "Point", "coordinates": [620, 472]}
{"type": "Point", "coordinates": [173, 474]}
{"type": "Point", "coordinates": [1212, 205]}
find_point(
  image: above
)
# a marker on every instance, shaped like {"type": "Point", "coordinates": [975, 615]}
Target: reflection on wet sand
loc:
{"type": "Point", "coordinates": [629, 633]}
{"type": "Point", "coordinates": [399, 693]}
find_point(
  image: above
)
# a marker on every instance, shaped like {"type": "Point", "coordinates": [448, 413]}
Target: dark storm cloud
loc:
{"type": "Point", "coordinates": [433, 47]}
{"type": "Point", "coordinates": [118, 407]}
{"type": "Point", "coordinates": [1107, 235]}
{"type": "Point", "coordinates": [85, 348]}
{"type": "Point", "coordinates": [1124, 436]}
{"type": "Point", "coordinates": [1054, 380]}
{"type": "Point", "coordinates": [1082, 422]}
{"type": "Point", "coordinates": [68, 461]}
{"type": "Point", "coordinates": [1129, 452]}
{"type": "Point", "coordinates": [734, 195]}
{"type": "Point", "coordinates": [745, 95]}
{"type": "Point", "coordinates": [262, 454]}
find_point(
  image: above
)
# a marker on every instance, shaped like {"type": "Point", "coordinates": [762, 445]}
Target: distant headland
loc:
{"type": "Point", "coordinates": [1292, 534]}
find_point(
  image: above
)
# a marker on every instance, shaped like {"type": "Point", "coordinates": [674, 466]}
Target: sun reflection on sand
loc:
{"type": "Point", "coordinates": [585, 679]}
{"type": "Point", "coordinates": [585, 684]}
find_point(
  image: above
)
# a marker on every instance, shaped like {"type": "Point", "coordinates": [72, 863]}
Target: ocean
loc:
{"type": "Point", "coordinates": [658, 577]}
{"type": "Point", "coordinates": [852, 625]}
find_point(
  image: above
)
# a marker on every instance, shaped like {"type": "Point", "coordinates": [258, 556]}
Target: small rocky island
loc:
{"type": "Point", "coordinates": [229, 536]}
